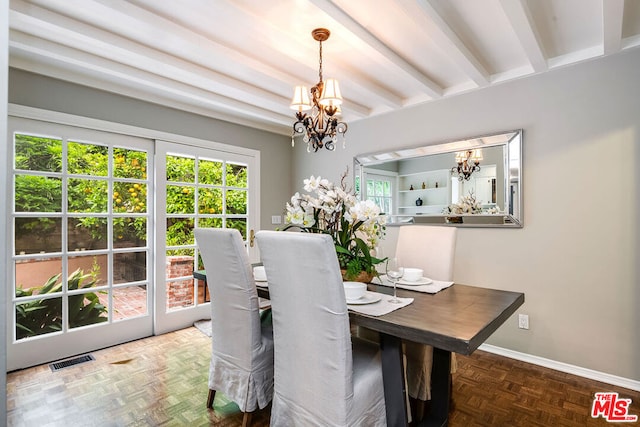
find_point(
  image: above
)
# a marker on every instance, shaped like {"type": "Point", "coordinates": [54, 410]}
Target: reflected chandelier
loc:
{"type": "Point", "coordinates": [321, 127]}
{"type": "Point", "coordinates": [464, 159]}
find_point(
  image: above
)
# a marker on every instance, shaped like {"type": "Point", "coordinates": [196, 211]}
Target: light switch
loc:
{"type": "Point", "coordinates": [276, 219]}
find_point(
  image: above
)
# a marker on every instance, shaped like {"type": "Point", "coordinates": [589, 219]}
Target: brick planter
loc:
{"type": "Point", "coordinates": [179, 292]}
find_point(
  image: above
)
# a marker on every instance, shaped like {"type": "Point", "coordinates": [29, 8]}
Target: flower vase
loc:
{"type": "Point", "coordinates": [363, 277]}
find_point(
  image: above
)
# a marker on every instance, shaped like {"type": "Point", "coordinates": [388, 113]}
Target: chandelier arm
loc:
{"type": "Point", "coordinates": [315, 138]}
{"type": "Point", "coordinates": [342, 128]}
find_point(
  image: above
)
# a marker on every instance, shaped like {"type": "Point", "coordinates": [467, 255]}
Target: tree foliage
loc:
{"type": "Point", "coordinates": [192, 187]}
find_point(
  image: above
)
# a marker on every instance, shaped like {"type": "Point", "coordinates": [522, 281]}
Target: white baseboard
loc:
{"type": "Point", "coordinates": [563, 367]}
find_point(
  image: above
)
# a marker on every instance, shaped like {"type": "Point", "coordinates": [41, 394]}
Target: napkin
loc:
{"type": "Point", "coordinates": [259, 273]}
{"type": "Point", "coordinates": [381, 307]}
{"type": "Point", "coordinates": [431, 288]}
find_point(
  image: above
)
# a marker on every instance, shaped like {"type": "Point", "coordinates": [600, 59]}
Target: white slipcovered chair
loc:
{"type": "Point", "coordinates": [432, 249]}
{"type": "Point", "coordinates": [322, 376]}
{"type": "Point", "coordinates": [241, 347]}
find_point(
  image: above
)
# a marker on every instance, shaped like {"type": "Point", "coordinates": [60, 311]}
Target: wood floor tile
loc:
{"type": "Point", "coordinates": [158, 381]}
{"type": "Point", "coordinates": [162, 381]}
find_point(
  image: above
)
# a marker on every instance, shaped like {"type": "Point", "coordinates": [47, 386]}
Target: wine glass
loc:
{"type": "Point", "coordinates": [394, 272]}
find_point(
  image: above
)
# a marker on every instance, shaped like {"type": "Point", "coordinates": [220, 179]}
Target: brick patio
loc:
{"type": "Point", "coordinates": [132, 301]}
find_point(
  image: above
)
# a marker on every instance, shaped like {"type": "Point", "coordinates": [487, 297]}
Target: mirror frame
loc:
{"type": "Point", "coordinates": [512, 164]}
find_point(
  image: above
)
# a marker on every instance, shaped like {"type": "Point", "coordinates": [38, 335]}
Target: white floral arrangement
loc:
{"type": "Point", "coordinates": [468, 205]}
{"type": "Point", "coordinates": [356, 226]}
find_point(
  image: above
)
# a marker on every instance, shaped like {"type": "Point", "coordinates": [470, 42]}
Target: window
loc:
{"type": "Point", "coordinates": [80, 233]}
{"type": "Point", "coordinates": [200, 192]}
{"type": "Point", "coordinates": [379, 189]}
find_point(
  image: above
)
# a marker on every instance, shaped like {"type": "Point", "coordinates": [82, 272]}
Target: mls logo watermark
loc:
{"type": "Point", "coordinates": [613, 409]}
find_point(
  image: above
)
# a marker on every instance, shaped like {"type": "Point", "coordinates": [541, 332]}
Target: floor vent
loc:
{"type": "Point", "coordinates": [56, 366]}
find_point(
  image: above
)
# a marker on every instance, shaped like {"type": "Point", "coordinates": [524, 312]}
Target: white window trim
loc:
{"type": "Point", "coordinates": [22, 111]}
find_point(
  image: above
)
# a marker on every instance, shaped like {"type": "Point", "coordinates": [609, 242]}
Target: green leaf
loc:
{"type": "Point", "coordinates": [48, 286]}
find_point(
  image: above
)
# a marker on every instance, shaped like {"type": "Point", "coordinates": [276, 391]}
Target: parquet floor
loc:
{"type": "Point", "coordinates": [162, 381]}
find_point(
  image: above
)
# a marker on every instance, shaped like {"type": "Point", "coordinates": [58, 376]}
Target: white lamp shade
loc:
{"type": "Point", "coordinates": [300, 100]}
{"type": "Point", "coordinates": [477, 155]}
{"type": "Point", "coordinates": [331, 93]}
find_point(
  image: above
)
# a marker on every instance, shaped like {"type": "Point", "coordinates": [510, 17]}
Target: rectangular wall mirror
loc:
{"type": "Point", "coordinates": [474, 182]}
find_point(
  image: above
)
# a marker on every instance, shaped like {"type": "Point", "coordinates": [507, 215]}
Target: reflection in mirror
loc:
{"type": "Point", "coordinates": [473, 182]}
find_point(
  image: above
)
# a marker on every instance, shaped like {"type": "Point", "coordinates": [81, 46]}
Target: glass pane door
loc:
{"type": "Point", "coordinates": [197, 187]}
{"type": "Point", "coordinates": [81, 239]}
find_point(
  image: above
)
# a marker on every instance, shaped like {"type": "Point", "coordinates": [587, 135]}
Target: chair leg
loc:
{"type": "Point", "coordinates": [246, 420]}
{"type": "Point", "coordinates": [210, 397]}
{"type": "Point", "coordinates": [452, 403]}
{"type": "Point", "coordinates": [418, 409]}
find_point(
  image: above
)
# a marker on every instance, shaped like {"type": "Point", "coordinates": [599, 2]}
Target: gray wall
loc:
{"type": "Point", "coordinates": [275, 150]}
{"type": "Point", "coordinates": [576, 259]}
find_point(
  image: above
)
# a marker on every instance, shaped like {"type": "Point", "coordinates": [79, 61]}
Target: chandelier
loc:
{"type": "Point", "coordinates": [468, 162]}
{"type": "Point", "coordinates": [321, 127]}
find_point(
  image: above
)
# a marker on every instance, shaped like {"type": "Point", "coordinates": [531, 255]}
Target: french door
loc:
{"type": "Point", "coordinates": [196, 187]}
{"type": "Point", "coordinates": [101, 234]}
{"type": "Point", "coordinates": [81, 236]}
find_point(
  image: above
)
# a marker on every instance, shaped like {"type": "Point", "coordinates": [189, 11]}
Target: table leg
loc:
{"type": "Point", "coordinates": [393, 378]}
{"type": "Point", "coordinates": [440, 389]}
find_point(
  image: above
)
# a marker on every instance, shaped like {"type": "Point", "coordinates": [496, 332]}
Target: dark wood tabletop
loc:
{"type": "Point", "coordinates": [456, 319]}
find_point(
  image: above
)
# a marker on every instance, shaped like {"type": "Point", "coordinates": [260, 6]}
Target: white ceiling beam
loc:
{"type": "Point", "coordinates": [353, 77]}
{"type": "Point", "coordinates": [433, 89]}
{"type": "Point", "coordinates": [97, 42]}
{"type": "Point", "coordinates": [163, 35]}
{"type": "Point", "coordinates": [523, 25]}
{"type": "Point", "coordinates": [47, 25]}
{"type": "Point", "coordinates": [72, 75]}
{"type": "Point", "coordinates": [575, 57]}
{"type": "Point", "coordinates": [612, 13]}
{"type": "Point", "coordinates": [448, 41]}
{"type": "Point", "coordinates": [159, 34]}
{"type": "Point", "coordinates": [193, 44]}
{"type": "Point", "coordinates": [84, 63]}
{"type": "Point", "coordinates": [373, 90]}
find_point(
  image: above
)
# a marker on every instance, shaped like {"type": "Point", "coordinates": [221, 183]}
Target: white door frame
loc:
{"type": "Point", "coordinates": [43, 348]}
{"type": "Point", "coordinates": [166, 321]}
{"type": "Point", "coordinates": [15, 110]}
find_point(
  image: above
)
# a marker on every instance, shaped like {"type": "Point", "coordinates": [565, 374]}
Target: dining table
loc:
{"type": "Point", "coordinates": [457, 319]}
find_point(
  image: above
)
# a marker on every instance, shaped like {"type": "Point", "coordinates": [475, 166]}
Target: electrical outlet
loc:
{"type": "Point", "coordinates": [523, 321]}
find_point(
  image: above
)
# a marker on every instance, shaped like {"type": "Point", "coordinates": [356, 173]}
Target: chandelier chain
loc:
{"type": "Point", "coordinates": [320, 63]}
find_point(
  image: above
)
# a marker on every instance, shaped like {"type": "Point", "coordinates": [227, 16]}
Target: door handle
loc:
{"type": "Point", "coordinates": [252, 238]}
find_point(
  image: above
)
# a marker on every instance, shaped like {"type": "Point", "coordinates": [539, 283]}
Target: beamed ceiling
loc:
{"type": "Point", "coordinates": [238, 60]}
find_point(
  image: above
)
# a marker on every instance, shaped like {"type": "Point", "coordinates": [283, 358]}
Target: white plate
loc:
{"type": "Point", "coordinates": [423, 281]}
{"type": "Point", "coordinates": [368, 298]}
